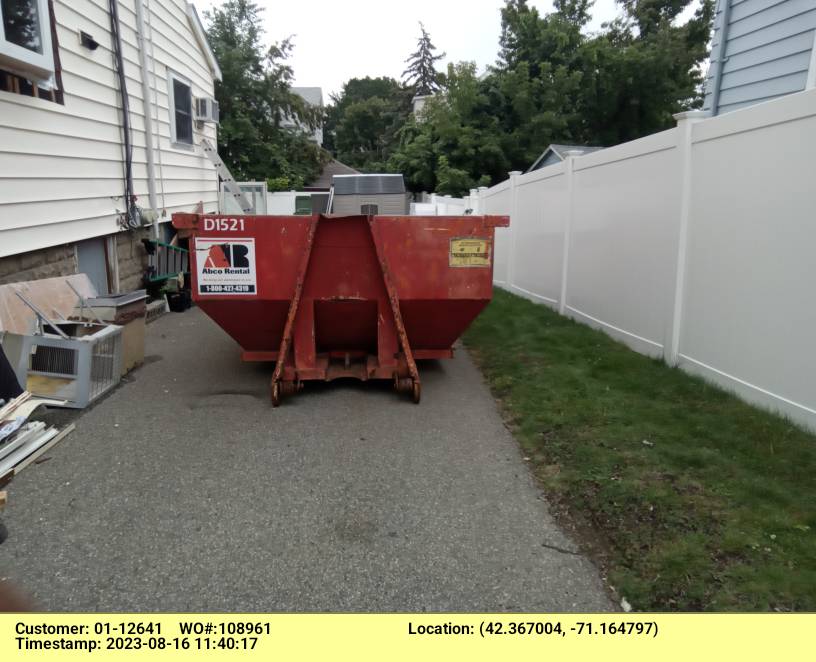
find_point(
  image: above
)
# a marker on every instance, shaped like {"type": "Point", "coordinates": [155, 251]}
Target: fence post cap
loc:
{"type": "Point", "coordinates": [693, 115]}
{"type": "Point", "coordinates": [514, 173]}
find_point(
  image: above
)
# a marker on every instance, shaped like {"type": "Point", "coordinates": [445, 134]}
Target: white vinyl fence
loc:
{"type": "Point", "coordinates": [442, 205]}
{"type": "Point", "coordinates": [276, 203]}
{"type": "Point", "coordinates": [697, 244]}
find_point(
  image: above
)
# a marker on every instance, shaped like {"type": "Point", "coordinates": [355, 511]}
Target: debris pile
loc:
{"type": "Point", "coordinates": [23, 441]}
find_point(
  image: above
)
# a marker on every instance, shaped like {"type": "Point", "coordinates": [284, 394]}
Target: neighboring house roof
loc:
{"type": "Point", "coordinates": [760, 51]}
{"type": "Point", "coordinates": [201, 37]}
{"type": "Point", "coordinates": [367, 184]}
{"type": "Point", "coordinates": [556, 153]}
{"type": "Point", "coordinates": [332, 168]}
{"type": "Point", "coordinates": [311, 95]}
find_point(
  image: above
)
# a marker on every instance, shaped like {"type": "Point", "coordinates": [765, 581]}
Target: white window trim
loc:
{"type": "Point", "coordinates": [25, 62]}
{"type": "Point", "coordinates": [811, 79]}
{"type": "Point", "coordinates": [171, 109]}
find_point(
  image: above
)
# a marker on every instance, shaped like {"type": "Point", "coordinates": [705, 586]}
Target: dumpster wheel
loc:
{"type": "Point", "coordinates": [282, 388]}
{"type": "Point", "coordinates": [417, 391]}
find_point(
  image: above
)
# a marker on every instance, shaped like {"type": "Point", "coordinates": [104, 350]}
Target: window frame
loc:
{"type": "Point", "coordinates": [25, 62]}
{"type": "Point", "coordinates": [172, 77]}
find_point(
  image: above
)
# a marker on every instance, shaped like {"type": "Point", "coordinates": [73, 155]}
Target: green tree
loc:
{"type": "Point", "coordinates": [254, 97]}
{"type": "Point", "coordinates": [554, 83]}
{"type": "Point", "coordinates": [363, 134]}
{"type": "Point", "coordinates": [362, 121]}
{"type": "Point", "coordinates": [421, 75]}
{"type": "Point", "coordinates": [642, 70]}
{"type": "Point", "coordinates": [455, 144]}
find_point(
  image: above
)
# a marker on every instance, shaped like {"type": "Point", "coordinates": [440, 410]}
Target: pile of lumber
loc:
{"type": "Point", "coordinates": [23, 441]}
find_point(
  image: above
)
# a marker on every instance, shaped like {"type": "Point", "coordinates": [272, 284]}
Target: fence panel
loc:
{"type": "Point", "coordinates": [497, 201]}
{"type": "Point", "coordinates": [623, 240]}
{"type": "Point", "coordinates": [696, 243]}
{"type": "Point", "coordinates": [749, 306]}
{"type": "Point", "coordinates": [538, 234]}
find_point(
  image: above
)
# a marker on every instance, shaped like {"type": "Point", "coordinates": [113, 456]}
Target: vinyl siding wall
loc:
{"type": "Point", "coordinates": [61, 169]}
{"type": "Point", "coordinates": [767, 54]}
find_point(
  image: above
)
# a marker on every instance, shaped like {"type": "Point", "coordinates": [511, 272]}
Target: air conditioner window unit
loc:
{"type": "Point", "coordinates": [206, 110]}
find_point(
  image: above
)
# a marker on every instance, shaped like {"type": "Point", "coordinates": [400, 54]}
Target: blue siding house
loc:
{"type": "Point", "coordinates": [761, 49]}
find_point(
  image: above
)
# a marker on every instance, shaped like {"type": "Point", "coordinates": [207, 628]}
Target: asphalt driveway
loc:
{"type": "Point", "coordinates": [185, 491]}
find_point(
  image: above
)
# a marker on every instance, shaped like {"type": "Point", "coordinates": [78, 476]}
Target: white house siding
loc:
{"type": "Point", "coordinates": [767, 51]}
{"type": "Point", "coordinates": [61, 166]}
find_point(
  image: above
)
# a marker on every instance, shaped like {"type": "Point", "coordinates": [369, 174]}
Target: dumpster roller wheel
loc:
{"type": "Point", "coordinates": [282, 388]}
{"type": "Point", "coordinates": [408, 385]}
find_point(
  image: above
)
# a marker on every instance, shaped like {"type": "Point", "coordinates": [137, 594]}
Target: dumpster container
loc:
{"type": "Point", "coordinates": [326, 297]}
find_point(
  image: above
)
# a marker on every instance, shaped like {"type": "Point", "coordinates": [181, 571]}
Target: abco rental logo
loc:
{"type": "Point", "coordinates": [229, 258]}
{"type": "Point", "coordinates": [226, 267]}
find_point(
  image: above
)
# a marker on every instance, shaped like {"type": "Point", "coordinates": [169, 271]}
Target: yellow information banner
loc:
{"type": "Point", "coordinates": [469, 252]}
{"type": "Point", "coordinates": [423, 637]}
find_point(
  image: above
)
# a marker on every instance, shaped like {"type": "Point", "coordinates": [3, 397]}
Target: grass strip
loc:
{"type": "Point", "coordinates": [688, 497]}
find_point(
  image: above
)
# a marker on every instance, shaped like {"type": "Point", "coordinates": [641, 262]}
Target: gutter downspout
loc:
{"type": "Point", "coordinates": [148, 116]}
{"type": "Point", "coordinates": [720, 60]}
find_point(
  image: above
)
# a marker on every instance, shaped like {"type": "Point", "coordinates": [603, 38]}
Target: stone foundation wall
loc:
{"type": "Point", "coordinates": [61, 261]}
{"type": "Point", "coordinates": [132, 258]}
{"type": "Point", "coordinates": [44, 263]}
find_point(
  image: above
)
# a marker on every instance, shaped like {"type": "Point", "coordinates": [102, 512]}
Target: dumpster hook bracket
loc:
{"type": "Point", "coordinates": [276, 387]}
{"type": "Point", "coordinates": [279, 387]}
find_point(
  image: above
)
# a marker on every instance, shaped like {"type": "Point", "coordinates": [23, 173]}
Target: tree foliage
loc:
{"type": "Point", "coordinates": [552, 82]}
{"type": "Point", "coordinates": [421, 75]}
{"type": "Point", "coordinates": [642, 70]}
{"type": "Point", "coordinates": [456, 142]}
{"type": "Point", "coordinates": [255, 97]}
{"type": "Point", "coordinates": [362, 121]}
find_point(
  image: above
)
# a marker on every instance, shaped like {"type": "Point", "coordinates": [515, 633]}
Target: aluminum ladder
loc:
{"type": "Point", "coordinates": [226, 177]}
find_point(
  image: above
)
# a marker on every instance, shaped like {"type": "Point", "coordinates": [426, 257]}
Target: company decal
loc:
{"type": "Point", "coordinates": [469, 252]}
{"type": "Point", "coordinates": [226, 266]}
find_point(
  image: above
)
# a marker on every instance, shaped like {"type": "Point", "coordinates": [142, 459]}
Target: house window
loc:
{"type": "Point", "coordinates": [29, 58]}
{"type": "Point", "coordinates": [26, 40]}
{"type": "Point", "coordinates": [181, 110]}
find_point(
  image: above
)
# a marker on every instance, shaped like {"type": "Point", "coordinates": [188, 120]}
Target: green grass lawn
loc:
{"type": "Point", "coordinates": [688, 497]}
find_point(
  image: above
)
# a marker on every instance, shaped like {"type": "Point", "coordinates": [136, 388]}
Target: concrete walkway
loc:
{"type": "Point", "coordinates": [185, 491]}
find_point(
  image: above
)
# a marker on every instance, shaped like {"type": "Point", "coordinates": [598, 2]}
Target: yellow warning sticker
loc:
{"type": "Point", "coordinates": [469, 252]}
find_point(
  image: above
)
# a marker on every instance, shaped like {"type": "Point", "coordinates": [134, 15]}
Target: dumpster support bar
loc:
{"type": "Point", "coordinates": [280, 387]}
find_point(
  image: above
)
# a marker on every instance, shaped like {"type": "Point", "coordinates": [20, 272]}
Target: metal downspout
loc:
{"type": "Point", "coordinates": [720, 58]}
{"type": "Point", "coordinates": [148, 119]}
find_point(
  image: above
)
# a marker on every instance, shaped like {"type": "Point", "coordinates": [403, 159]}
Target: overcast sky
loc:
{"type": "Point", "coordinates": [340, 39]}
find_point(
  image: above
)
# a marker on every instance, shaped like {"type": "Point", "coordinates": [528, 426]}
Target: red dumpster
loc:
{"type": "Point", "coordinates": [342, 296]}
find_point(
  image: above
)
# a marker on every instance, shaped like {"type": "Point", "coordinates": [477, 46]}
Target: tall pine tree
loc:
{"type": "Point", "coordinates": [421, 74]}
